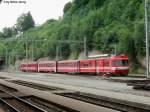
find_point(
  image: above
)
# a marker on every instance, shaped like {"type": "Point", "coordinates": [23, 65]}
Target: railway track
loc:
{"type": "Point", "coordinates": [36, 86]}
{"type": "Point", "coordinates": [93, 99]}
{"type": "Point", "coordinates": [50, 102]}
{"type": "Point", "coordinates": [100, 101]}
{"type": "Point", "coordinates": [108, 102]}
{"type": "Point", "coordinates": [17, 104]}
{"type": "Point", "coordinates": [13, 103]}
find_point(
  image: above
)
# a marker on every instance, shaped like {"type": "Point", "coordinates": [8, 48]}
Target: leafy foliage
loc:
{"type": "Point", "coordinates": [7, 32]}
{"type": "Point", "coordinates": [105, 23]}
{"type": "Point", "coordinates": [25, 22]}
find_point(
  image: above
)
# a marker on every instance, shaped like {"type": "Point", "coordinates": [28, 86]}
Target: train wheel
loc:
{"type": "Point", "coordinates": [107, 75]}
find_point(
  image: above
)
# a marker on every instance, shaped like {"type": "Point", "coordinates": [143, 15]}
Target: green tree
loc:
{"type": "Point", "coordinates": [67, 7]}
{"type": "Point", "coordinates": [25, 22]}
{"type": "Point", "coordinates": [7, 32]}
{"type": "Point", "coordinates": [1, 35]}
{"type": "Point", "coordinates": [105, 23]}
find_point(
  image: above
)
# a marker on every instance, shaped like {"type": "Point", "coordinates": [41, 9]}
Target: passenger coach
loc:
{"type": "Point", "coordinates": [29, 67]}
{"type": "Point", "coordinates": [69, 66]}
{"type": "Point", "coordinates": [47, 66]}
{"type": "Point", "coordinates": [114, 65]}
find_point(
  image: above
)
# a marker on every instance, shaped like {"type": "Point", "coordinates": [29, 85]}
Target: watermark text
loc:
{"type": "Point", "coordinates": [14, 1]}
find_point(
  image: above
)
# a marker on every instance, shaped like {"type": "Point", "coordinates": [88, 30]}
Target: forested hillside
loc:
{"type": "Point", "coordinates": [105, 23]}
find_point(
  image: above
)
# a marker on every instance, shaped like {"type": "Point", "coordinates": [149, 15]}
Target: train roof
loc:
{"type": "Point", "coordinates": [45, 61]}
{"type": "Point", "coordinates": [29, 62]}
{"type": "Point", "coordinates": [103, 57]}
{"type": "Point", "coordinates": [120, 56]}
{"type": "Point", "coordinates": [67, 60]}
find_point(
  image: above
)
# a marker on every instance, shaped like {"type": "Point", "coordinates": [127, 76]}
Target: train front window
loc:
{"type": "Point", "coordinates": [120, 63]}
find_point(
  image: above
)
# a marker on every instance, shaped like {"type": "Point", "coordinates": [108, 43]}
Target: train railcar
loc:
{"type": "Point", "coordinates": [22, 67]}
{"type": "Point", "coordinates": [87, 66]}
{"type": "Point", "coordinates": [119, 64]}
{"type": "Point", "coordinates": [113, 65]}
{"type": "Point", "coordinates": [102, 65]}
{"type": "Point", "coordinates": [29, 67]}
{"type": "Point", "coordinates": [70, 66]}
{"type": "Point", "coordinates": [47, 66]}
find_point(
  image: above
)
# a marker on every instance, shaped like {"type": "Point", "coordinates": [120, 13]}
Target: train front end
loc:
{"type": "Point", "coordinates": [120, 65]}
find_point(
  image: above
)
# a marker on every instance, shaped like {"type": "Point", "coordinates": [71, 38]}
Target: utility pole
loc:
{"type": "Point", "coordinates": [57, 53]}
{"type": "Point", "coordinates": [9, 58]}
{"type": "Point", "coordinates": [27, 52]}
{"type": "Point", "coordinates": [115, 49]}
{"type": "Point", "coordinates": [6, 55]}
{"type": "Point", "coordinates": [147, 40]}
{"type": "Point", "coordinates": [26, 49]}
{"type": "Point", "coordinates": [85, 47]}
{"type": "Point", "coordinates": [32, 52]}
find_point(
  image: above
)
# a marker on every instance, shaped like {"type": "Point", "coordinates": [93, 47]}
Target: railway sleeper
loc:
{"type": "Point", "coordinates": [112, 103]}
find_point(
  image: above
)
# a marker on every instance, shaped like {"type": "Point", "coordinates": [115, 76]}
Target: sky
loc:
{"type": "Point", "coordinates": [41, 10]}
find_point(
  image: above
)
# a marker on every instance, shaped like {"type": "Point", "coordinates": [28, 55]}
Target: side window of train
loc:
{"type": "Point", "coordinates": [106, 63]}
{"type": "Point", "coordinates": [85, 64]}
{"type": "Point", "coordinates": [50, 64]}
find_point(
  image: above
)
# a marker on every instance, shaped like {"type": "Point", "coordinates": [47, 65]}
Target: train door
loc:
{"type": "Point", "coordinates": [55, 66]}
{"type": "Point", "coordinates": [97, 67]}
{"type": "Point", "coordinates": [106, 64]}
{"type": "Point", "coordinates": [100, 66]}
{"type": "Point", "coordinates": [78, 66]}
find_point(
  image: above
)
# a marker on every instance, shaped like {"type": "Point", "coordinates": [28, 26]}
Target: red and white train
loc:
{"type": "Point", "coordinates": [116, 65]}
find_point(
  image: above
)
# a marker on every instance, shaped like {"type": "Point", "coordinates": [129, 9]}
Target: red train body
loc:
{"type": "Point", "coordinates": [71, 66]}
{"type": "Point", "coordinates": [109, 65]}
{"type": "Point", "coordinates": [87, 66]}
{"type": "Point", "coordinates": [29, 67]}
{"type": "Point", "coordinates": [113, 65]}
{"type": "Point", "coordinates": [47, 66]}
